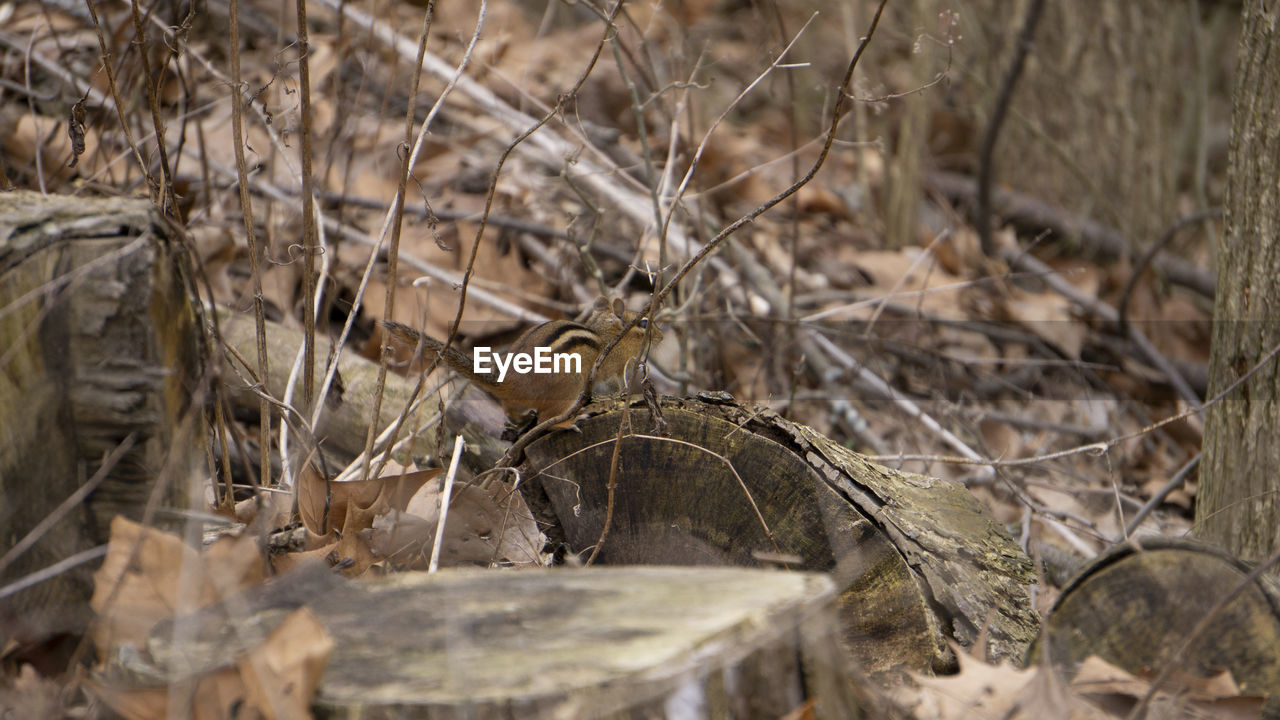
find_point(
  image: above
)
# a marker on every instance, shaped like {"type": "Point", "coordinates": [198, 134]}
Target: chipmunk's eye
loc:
{"type": "Point", "coordinates": [643, 324]}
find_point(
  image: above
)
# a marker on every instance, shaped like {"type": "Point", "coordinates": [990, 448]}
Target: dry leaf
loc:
{"type": "Point", "coordinates": [56, 147]}
{"type": "Point", "coordinates": [283, 563]}
{"type": "Point", "coordinates": [133, 703]}
{"type": "Point", "coordinates": [219, 695]}
{"type": "Point", "coordinates": [283, 672]}
{"type": "Point", "coordinates": [1050, 317]}
{"type": "Point", "coordinates": [328, 507]}
{"type": "Point", "coordinates": [352, 555]}
{"type": "Point", "coordinates": [1183, 696]}
{"type": "Point", "coordinates": [1000, 438]}
{"type": "Point", "coordinates": [149, 575]}
{"type": "Point", "coordinates": [904, 278]}
{"type": "Point", "coordinates": [482, 527]}
{"type": "Point", "coordinates": [981, 691]}
{"type": "Point", "coordinates": [275, 680]}
{"type": "Point", "coordinates": [819, 199]}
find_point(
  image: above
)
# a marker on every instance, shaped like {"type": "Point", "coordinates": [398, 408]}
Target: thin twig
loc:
{"type": "Point", "coordinates": [164, 196]}
{"type": "Point", "coordinates": [309, 246]}
{"type": "Point", "coordinates": [561, 101]}
{"type": "Point", "coordinates": [1022, 261]}
{"type": "Point", "coordinates": [727, 463]}
{"type": "Point", "coordinates": [1099, 448]}
{"type": "Point", "coordinates": [983, 211]}
{"type": "Point", "coordinates": [905, 404]}
{"type": "Point", "coordinates": [1174, 483]}
{"type": "Point", "coordinates": [624, 428]}
{"type": "Point", "coordinates": [445, 494]}
{"type": "Point", "coordinates": [251, 237]}
{"type": "Point", "coordinates": [656, 301]}
{"type": "Point", "coordinates": [546, 146]}
{"type": "Point", "coordinates": [1122, 306]}
{"type": "Point", "coordinates": [115, 94]}
{"type": "Point", "coordinates": [706, 137]}
{"type": "Point", "coordinates": [108, 464]}
{"type": "Point", "coordinates": [52, 571]}
{"type": "Point", "coordinates": [929, 254]}
{"type": "Point", "coordinates": [1096, 239]}
{"type": "Point", "coordinates": [397, 215]}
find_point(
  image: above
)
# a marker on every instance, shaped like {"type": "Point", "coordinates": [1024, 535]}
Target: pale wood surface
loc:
{"type": "Point", "coordinates": [566, 643]}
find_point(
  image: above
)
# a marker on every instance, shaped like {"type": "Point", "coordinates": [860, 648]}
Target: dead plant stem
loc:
{"type": "Point", "coordinates": [255, 252]}
{"type": "Point", "coordinates": [656, 301]}
{"type": "Point", "coordinates": [397, 222]}
{"type": "Point", "coordinates": [309, 247]}
{"type": "Point", "coordinates": [115, 95]}
{"type": "Point", "coordinates": [164, 196]}
{"type": "Point", "coordinates": [989, 138]}
{"type": "Point", "coordinates": [624, 428]}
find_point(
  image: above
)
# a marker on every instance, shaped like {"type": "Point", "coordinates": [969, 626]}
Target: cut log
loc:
{"type": "Point", "coordinates": [913, 558]}
{"type": "Point", "coordinates": [1135, 604]}
{"type": "Point", "coordinates": [98, 343]}
{"type": "Point", "coordinates": [345, 420]}
{"type": "Point", "coordinates": [595, 643]}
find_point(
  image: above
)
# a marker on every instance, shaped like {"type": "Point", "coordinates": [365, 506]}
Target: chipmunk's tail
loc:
{"type": "Point", "coordinates": [459, 361]}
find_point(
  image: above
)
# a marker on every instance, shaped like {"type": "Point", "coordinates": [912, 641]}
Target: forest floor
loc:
{"type": "Point", "coordinates": [1059, 375]}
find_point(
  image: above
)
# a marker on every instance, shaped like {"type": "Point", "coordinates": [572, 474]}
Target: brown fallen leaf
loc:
{"type": "Point", "coordinates": [283, 672]}
{"type": "Point", "coordinates": [483, 526]}
{"type": "Point", "coordinates": [149, 575]}
{"type": "Point", "coordinates": [980, 691]}
{"type": "Point", "coordinates": [328, 508]}
{"type": "Point", "coordinates": [274, 680]}
{"type": "Point", "coordinates": [1183, 696]}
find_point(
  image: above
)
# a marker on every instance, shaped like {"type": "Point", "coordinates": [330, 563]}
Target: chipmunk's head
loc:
{"type": "Point", "coordinates": [608, 317]}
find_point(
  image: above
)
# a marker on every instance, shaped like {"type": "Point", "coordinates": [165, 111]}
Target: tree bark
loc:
{"type": "Point", "coordinates": [98, 359]}
{"type": "Point", "coordinates": [1239, 501]}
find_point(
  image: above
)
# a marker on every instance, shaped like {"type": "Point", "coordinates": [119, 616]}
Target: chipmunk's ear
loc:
{"type": "Point", "coordinates": [601, 304]}
{"type": "Point", "coordinates": [619, 307]}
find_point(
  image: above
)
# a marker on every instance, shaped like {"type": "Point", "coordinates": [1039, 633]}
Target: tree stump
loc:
{"type": "Point", "coordinates": [98, 343]}
{"type": "Point", "coordinates": [1135, 604]}
{"type": "Point", "coordinates": [913, 558]}
{"type": "Point", "coordinates": [596, 643]}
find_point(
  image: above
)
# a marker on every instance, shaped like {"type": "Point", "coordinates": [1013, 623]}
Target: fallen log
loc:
{"type": "Point", "coordinates": [1136, 605]}
{"type": "Point", "coordinates": [915, 559]}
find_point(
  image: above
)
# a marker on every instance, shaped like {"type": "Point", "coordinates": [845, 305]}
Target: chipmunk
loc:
{"type": "Point", "coordinates": [547, 393]}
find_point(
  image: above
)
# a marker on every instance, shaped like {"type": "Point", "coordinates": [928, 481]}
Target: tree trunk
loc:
{"type": "Point", "coordinates": [1239, 500]}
